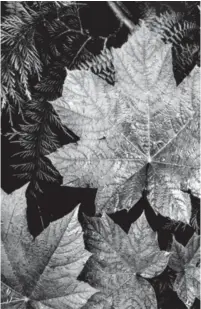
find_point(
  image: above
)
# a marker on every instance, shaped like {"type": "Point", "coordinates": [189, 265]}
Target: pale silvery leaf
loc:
{"type": "Point", "coordinates": [41, 273]}
{"type": "Point", "coordinates": [186, 262]}
{"type": "Point", "coordinates": [120, 262]}
{"type": "Point", "coordinates": [143, 132]}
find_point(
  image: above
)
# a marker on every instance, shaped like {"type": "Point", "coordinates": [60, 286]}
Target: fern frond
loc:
{"type": "Point", "coordinates": [101, 65]}
{"type": "Point", "coordinates": [37, 139]}
{"type": "Point", "coordinates": [185, 57]}
{"type": "Point", "coordinates": [16, 8]}
{"type": "Point", "coordinates": [176, 28]}
{"type": "Point", "coordinates": [19, 56]}
{"type": "Point", "coordinates": [186, 54]}
{"type": "Point", "coordinates": [51, 83]}
{"type": "Point", "coordinates": [195, 215]}
{"type": "Point", "coordinates": [171, 26]}
{"type": "Point", "coordinates": [194, 223]}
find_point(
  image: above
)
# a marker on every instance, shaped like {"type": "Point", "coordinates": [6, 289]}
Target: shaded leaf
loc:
{"type": "Point", "coordinates": [41, 273]}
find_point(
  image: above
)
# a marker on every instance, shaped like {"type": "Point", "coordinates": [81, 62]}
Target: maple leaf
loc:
{"type": "Point", "coordinates": [186, 262]}
{"type": "Point", "coordinates": [41, 273]}
{"type": "Point", "coordinates": [120, 262]}
{"type": "Point", "coordinates": [143, 133]}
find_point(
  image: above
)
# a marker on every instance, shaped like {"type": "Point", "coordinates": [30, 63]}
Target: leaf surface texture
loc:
{"type": "Point", "coordinates": [120, 263]}
{"type": "Point", "coordinates": [186, 262]}
{"type": "Point", "coordinates": [141, 133]}
{"type": "Point", "coordinates": [41, 273]}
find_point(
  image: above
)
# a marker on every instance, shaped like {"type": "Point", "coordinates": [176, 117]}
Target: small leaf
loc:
{"type": "Point", "coordinates": [186, 261]}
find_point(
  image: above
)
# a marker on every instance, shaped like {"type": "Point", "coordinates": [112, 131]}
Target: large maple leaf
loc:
{"type": "Point", "coordinates": [186, 262]}
{"type": "Point", "coordinates": [143, 133]}
{"type": "Point", "coordinates": [120, 262]}
{"type": "Point", "coordinates": [41, 273]}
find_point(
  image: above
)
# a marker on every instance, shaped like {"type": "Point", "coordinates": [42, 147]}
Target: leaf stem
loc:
{"type": "Point", "coordinates": [121, 15]}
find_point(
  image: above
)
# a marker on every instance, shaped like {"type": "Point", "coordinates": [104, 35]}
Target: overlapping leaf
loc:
{"type": "Point", "coordinates": [41, 273]}
{"type": "Point", "coordinates": [186, 261]}
{"type": "Point", "coordinates": [141, 133]}
{"type": "Point", "coordinates": [120, 262]}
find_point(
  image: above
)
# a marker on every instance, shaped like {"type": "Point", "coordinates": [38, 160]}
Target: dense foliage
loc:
{"type": "Point", "coordinates": [52, 49]}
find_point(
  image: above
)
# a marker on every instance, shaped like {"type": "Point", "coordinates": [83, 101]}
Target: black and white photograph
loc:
{"type": "Point", "coordinates": [100, 155]}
